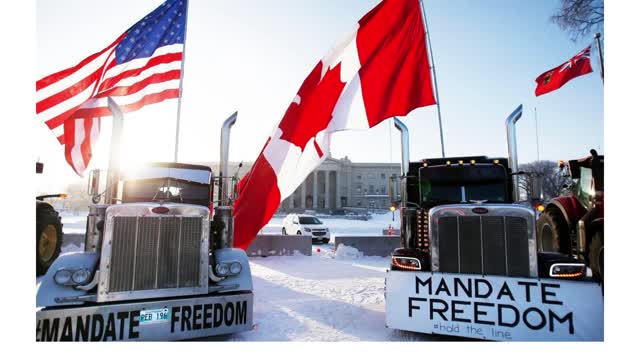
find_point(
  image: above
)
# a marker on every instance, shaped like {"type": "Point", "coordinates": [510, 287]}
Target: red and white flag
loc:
{"type": "Point", "coordinates": [141, 67]}
{"type": "Point", "coordinates": [378, 71]}
{"type": "Point", "coordinates": [555, 78]}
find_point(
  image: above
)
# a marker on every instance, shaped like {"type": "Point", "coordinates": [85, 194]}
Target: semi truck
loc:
{"type": "Point", "coordinates": [158, 260]}
{"type": "Point", "coordinates": [469, 264]}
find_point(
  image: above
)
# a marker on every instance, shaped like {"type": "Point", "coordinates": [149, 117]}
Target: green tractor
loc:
{"type": "Point", "coordinates": [48, 230]}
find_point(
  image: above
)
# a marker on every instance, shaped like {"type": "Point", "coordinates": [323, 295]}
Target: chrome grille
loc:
{"type": "Point", "coordinates": [486, 244]}
{"type": "Point", "coordinates": [155, 252]}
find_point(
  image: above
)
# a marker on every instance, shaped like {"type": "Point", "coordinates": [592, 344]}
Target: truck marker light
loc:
{"type": "Point", "coordinates": [460, 162]}
{"type": "Point", "coordinates": [473, 162]}
{"type": "Point", "coordinates": [540, 208]}
{"type": "Point", "coordinates": [448, 163]}
{"type": "Point", "coordinates": [392, 208]}
{"type": "Point", "coordinates": [424, 164]}
{"type": "Point", "coordinates": [496, 162]}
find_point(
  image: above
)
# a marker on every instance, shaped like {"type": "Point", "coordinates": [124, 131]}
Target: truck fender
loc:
{"type": "Point", "coordinates": [570, 207]}
{"type": "Point", "coordinates": [49, 290]}
{"type": "Point", "coordinates": [243, 279]}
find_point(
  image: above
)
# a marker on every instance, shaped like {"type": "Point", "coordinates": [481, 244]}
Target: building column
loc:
{"type": "Point", "coordinates": [315, 189]}
{"type": "Point", "coordinates": [303, 194]}
{"type": "Point", "coordinates": [326, 189]}
{"type": "Point", "coordinates": [338, 205]}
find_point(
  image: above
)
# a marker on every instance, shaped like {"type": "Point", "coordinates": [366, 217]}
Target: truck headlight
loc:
{"type": "Point", "coordinates": [222, 269]}
{"type": "Point", "coordinates": [307, 230]}
{"type": "Point", "coordinates": [235, 268]}
{"type": "Point", "coordinates": [81, 276]}
{"type": "Point", "coordinates": [405, 263]}
{"type": "Point", "coordinates": [567, 270]}
{"type": "Point", "coordinates": [62, 277]}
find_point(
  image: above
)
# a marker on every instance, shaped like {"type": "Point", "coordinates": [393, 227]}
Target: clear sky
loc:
{"type": "Point", "coordinates": [252, 56]}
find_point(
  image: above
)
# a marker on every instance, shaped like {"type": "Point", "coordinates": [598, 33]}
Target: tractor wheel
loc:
{"type": "Point", "coordinates": [284, 231]}
{"type": "Point", "coordinates": [48, 240]}
{"type": "Point", "coordinates": [553, 232]}
{"type": "Point", "coordinates": [596, 255]}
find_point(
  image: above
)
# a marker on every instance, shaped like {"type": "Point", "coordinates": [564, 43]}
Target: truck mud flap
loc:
{"type": "Point", "coordinates": [494, 307]}
{"type": "Point", "coordinates": [174, 319]}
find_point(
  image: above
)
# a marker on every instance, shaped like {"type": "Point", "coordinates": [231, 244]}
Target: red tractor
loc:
{"type": "Point", "coordinates": [574, 224]}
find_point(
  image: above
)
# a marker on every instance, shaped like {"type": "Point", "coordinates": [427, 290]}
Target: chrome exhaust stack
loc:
{"type": "Point", "coordinates": [223, 217]}
{"type": "Point", "coordinates": [113, 175]}
{"type": "Point", "coordinates": [404, 166]}
{"type": "Point", "coordinates": [408, 216]}
{"type": "Point", "coordinates": [512, 146]}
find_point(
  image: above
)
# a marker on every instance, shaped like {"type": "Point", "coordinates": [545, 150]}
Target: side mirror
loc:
{"type": "Point", "coordinates": [93, 187]}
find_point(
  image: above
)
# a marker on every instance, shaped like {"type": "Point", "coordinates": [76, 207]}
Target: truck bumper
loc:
{"type": "Point", "coordinates": [494, 307]}
{"type": "Point", "coordinates": [185, 318]}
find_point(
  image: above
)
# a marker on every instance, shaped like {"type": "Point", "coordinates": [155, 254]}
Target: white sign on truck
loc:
{"type": "Point", "coordinates": [495, 307]}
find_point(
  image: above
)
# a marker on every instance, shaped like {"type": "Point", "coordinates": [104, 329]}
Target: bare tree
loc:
{"type": "Point", "coordinates": [552, 180]}
{"type": "Point", "coordinates": [579, 18]}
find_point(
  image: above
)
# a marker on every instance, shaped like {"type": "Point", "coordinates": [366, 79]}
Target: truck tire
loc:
{"type": "Point", "coordinates": [596, 255]}
{"type": "Point", "coordinates": [48, 239]}
{"type": "Point", "coordinates": [553, 232]}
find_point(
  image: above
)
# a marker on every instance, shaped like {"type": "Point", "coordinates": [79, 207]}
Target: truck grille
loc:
{"type": "Point", "coordinates": [155, 252]}
{"type": "Point", "coordinates": [491, 245]}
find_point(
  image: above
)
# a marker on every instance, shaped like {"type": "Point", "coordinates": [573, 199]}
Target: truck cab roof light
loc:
{"type": "Point", "coordinates": [472, 162]}
{"type": "Point", "coordinates": [460, 162]}
{"type": "Point", "coordinates": [448, 163]}
{"type": "Point", "coordinates": [496, 162]}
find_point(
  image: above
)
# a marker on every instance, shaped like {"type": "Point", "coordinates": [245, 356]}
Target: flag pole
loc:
{"type": "Point", "coordinates": [433, 71]}
{"type": "Point", "coordinates": [597, 36]}
{"type": "Point", "coordinates": [184, 51]}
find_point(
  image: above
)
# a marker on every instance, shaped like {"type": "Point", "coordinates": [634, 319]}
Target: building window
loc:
{"type": "Point", "coordinates": [383, 176]}
{"type": "Point", "coordinates": [371, 188]}
{"type": "Point", "coordinates": [370, 176]}
{"type": "Point", "coordinates": [359, 203]}
{"type": "Point", "coordinates": [383, 189]}
{"type": "Point", "coordinates": [359, 177]}
{"type": "Point", "coordinates": [358, 189]}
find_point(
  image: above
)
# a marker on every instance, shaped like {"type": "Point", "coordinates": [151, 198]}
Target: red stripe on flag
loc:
{"type": "Point", "coordinates": [146, 100]}
{"type": "Point", "coordinates": [140, 85]}
{"type": "Point", "coordinates": [256, 203]}
{"type": "Point", "coordinates": [69, 140]}
{"type": "Point", "coordinates": [394, 76]}
{"type": "Point", "coordinates": [55, 77]}
{"type": "Point", "coordinates": [156, 60]}
{"type": "Point", "coordinates": [69, 92]}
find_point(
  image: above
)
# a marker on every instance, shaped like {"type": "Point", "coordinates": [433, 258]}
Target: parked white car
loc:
{"type": "Point", "coordinates": [295, 224]}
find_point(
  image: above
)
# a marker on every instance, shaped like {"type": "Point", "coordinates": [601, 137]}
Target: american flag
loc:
{"type": "Point", "coordinates": [141, 67]}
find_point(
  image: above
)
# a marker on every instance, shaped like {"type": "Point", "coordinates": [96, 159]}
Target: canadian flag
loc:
{"type": "Point", "coordinates": [378, 71]}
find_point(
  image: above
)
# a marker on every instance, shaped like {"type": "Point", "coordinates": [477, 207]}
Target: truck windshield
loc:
{"type": "Point", "coordinates": [444, 185]}
{"type": "Point", "coordinates": [308, 220]}
{"type": "Point", "coordinates": [191, 186]}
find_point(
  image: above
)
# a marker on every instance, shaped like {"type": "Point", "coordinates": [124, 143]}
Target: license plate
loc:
{"type": "Point", "coordinates": [154, 316]}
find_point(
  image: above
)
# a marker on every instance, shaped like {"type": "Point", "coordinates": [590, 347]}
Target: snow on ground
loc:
{"type": "Point", "coordinates": [321, 298]}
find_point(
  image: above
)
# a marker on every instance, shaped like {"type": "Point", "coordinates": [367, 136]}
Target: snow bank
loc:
{"type": "Point", "coordinates": [344, 252]}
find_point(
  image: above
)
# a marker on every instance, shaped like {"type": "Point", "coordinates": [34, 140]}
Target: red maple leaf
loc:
{"type": "Point", "coordinates": [318, 96]}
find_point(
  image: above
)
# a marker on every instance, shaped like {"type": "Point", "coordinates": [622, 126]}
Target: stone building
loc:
{"type": "Point", "coordinates": [340, 183]}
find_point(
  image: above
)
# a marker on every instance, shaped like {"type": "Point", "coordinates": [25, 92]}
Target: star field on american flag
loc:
{"type": "Point", "coordinates": [164, 26]}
